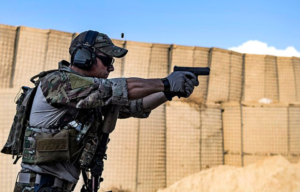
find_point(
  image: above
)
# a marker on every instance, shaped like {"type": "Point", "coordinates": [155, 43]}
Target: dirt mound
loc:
{"type": "Point", "coordinates": [272, 174]}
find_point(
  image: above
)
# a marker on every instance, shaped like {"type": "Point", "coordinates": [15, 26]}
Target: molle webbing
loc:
{"type": "Point", "coordinates": [15, 141]}
{"type": "Point", "coordinates": [49, 145]}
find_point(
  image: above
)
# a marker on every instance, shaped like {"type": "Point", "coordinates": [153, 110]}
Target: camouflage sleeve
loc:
{"type": "Point", "coordinates": [62, 88]}
{"type": "Point", "coordinates": [133, 109]}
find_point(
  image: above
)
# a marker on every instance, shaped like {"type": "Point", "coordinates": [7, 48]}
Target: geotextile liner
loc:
{"type": "Point", "coordinates": [31, 52]}
{"type": "Point", "coordinates": [57, 48]}
{"type": "Point", "coordinates": [254, 77]}
{"type": "Point", "coordinates": [271, 78]}
{"type": "Point", "coordinates": [121, 167]}
{"type": "Point", "coordinates": [151, 174]}
{"type": "Point", "coordinates": [286, 79]}
{"type": "Point", "coordinates": [219, 79]}
{"type": "Point", "coordinates": [193, 139]}
{"type": "Point", "coordinates": [254, 131]}
{"type": "Point", "coordinates": [236, 77]}
{"type": "Point", "coordinates": [7, 50]}
{"type": "Point", "coordinates": [137, 60]}
{"type": "Point", "coordinates": [7, 112]}
{"type": "Point", "coordinates": [296, 64]}
{"type": "Point", "coordinates": [232, 135]}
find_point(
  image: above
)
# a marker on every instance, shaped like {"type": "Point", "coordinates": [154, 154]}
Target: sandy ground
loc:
{"type": "Point", "coordinates": [272, 174]}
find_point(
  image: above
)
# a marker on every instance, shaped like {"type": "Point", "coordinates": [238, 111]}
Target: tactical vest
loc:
{"type": "Point", "coordinates": [72, 142]}
{"type": "Point", "coordinates": [15, 140]}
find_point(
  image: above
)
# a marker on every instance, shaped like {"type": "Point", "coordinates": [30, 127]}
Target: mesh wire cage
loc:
{"type": "Point", "coordinates": [7, 51]}
{"type": "Point", "coordinates": [7, 112]}
{"type": "Point", "coordinates": [223, 122]}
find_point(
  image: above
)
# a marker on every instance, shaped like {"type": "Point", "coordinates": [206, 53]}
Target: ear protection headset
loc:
{"type": "Point", "coordinates": [84, 55]}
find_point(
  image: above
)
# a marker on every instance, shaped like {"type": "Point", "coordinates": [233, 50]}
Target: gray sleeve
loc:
{"type": "Point", "coordinates": [133, 109]}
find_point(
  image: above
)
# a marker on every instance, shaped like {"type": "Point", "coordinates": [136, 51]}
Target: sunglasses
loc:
{"type": "Point", "coordinates": [107, 61]}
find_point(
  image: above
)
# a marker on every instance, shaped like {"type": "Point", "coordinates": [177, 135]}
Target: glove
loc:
{"type": "Point", "coordinates": [178, 80]}
{"type": "Point", "coordinates": [189, 87]}
{"type": "Point", "coordinates": [179, 83]}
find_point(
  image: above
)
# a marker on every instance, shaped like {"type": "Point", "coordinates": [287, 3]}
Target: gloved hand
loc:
{"type": "Point", "coordinates": [189, 87]}
{"type": "Point", "coordinates": [180, 83]}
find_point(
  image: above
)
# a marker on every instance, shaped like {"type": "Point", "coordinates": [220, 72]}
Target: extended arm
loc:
{"type": "Point", "coordinates": [178, 83]}
{"type": "Point", "coordinates": [152, 101]}
{"type": "Point", "coordinates": [63, 88]}
{"type": "Point", "coordinates": [139, 88]}
{"type": "Point", "coordinates": [144, 95]}
{"type": "Point", "coordinates": [151, 90]}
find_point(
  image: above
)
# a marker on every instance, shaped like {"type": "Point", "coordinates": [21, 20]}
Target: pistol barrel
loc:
{"type": "Point", "coordinates": [195, 70]}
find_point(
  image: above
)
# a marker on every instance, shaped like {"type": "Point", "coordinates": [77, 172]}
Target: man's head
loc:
{"type": "Point", "coordinates": [90, 49]}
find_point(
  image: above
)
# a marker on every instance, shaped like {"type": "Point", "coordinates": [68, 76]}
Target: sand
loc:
{"type": "Point", "coordinates": [272, 174]}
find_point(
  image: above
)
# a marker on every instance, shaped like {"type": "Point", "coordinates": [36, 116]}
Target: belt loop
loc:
{"type": "Point", "coordinates": [58, 182]}
{"type": "Point", "coordinates": [70, 186]}
{"type": "Point", "coordinates": [23, 178]}
{"type": "Point", "coordinates": [38, 178]}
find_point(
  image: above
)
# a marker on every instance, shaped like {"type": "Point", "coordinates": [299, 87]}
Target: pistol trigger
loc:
{"type": "Point", "coordinates": [189, 76]}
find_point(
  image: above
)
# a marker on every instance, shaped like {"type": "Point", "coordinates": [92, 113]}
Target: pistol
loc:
{"type": "Point", "coordinates": [196, 70]}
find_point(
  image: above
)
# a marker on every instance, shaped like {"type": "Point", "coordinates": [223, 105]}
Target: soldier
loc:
{"type": "Point", "coordinates": [68, 106]}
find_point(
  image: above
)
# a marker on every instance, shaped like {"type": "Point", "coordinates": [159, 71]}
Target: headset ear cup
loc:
{"type": "Point", "coordinates": [83, 57]}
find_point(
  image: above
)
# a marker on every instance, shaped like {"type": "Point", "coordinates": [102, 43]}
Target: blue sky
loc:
{"type": "Point", "coordinates": [210, 23]}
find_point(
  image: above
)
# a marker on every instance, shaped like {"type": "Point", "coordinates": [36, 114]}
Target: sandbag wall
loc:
{"type": "Point", "coordinates": [221, 123]}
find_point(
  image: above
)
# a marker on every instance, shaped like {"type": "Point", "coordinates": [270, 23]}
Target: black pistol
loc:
{"type": "Point", "coordinates": [196, 70]}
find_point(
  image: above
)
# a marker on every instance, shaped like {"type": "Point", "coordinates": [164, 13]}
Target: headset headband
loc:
{"type": "Point", "coordinates": [90, 37]}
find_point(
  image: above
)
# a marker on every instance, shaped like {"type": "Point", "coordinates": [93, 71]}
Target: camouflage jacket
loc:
{"type": "Point", "coordinates": [66, 87]}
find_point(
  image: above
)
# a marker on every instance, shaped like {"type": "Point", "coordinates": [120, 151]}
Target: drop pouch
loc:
{"type": "Point", "coordinates": [52, 147]}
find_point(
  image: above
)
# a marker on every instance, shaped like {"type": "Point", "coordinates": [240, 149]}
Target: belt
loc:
{"type": "Point", "coordinates": [25, 177]}
{"type": "Point", "coordinates": [60, 183]}
{"type": "Point", "coordinates": [63, 184]}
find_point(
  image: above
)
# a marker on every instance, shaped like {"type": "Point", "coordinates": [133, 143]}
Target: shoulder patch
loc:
{"type": "Point", "coordinates": [77, 81]}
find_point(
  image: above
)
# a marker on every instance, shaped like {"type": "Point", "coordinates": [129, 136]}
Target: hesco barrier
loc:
{"type": "Point", "coordinates": [7, 112]}
{"type": "Point", "coordinates": [254, 131]}
{"type": "Point", "coordinates": [221, 123]}
{"type": "Point", "coordinates": [7, 48]}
